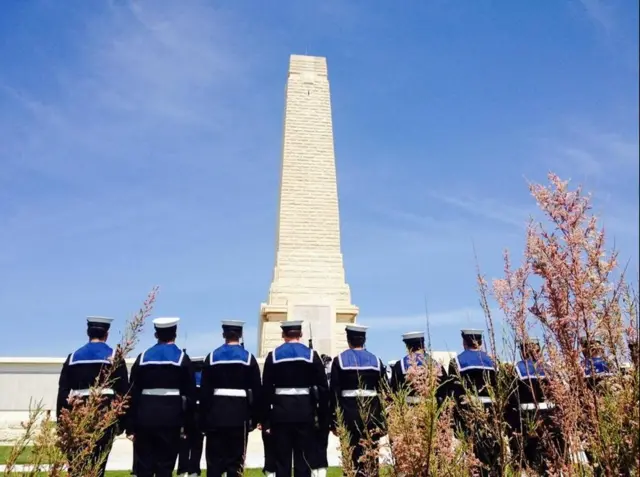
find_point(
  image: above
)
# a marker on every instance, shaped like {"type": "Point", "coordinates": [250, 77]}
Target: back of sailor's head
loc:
{"type": "Point", "coordinates": [98, 327]}
{"type": "Point", "coordinates": [166, 328]}
{"type": "Point", "coordinates": [291, 329]}
{"type": "Point", "coordinates": [232, 330]}
{"type": "Point", "coordinates": [471, 338]}
{"type": "Point", "coordinates": [414, 340]}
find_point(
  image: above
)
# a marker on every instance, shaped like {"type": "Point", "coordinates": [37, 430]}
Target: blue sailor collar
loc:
{"type": "Point", "coordinates": [474, 359]}
{"type": "Point", "coordinates": [528, 369]}
{"type": "Point", "coordinates": [162, 354]}
{"type": "Point", "coordinates": [230, 354]}
{"type": "Point", "coordinates": [418, 358]}
{"type": "Point", "coordinates": [92, 353]}
{"type": "Point", "coordinates": [358, 359]}
{"type": "Point", "coordinates": [293, 351]}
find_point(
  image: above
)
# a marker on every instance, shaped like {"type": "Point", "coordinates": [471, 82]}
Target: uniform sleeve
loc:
{"type": "Point", "coordinates": [383, 386]}
{"type": "Point", "coordinates": [513, 401]}
{"type": "Point", "coordinates": [120, 377]}
{"type": "Point", "coordinates": [320, 381]}
{"type": "Point", "coordinates": [136, 390]}
{"type": "Point", "coordinates": [188, 392]}
{"type": "Point", "coordinates": [383, 382]}
{"type": "Point", "coordinates": [206, 392]}
{"type": "Point", "coordinates": [255, 384]}
{"type": "Point", "coordinates": [268, 390]}
{"type": "Point", "coordinates": [493, 377]}
{"type": "Point", "coordinates": [453, 383]}
{"type": "Point", "coordinates": [334, 392]}
{"type": "Point", "coordinates": [396, 383]}
{"type": "Point", "coordinates": [443, 382]}
{"type": "Point", "coordinates": [64, 388]}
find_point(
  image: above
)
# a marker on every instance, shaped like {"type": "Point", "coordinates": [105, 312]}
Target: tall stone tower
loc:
{"type": "Point", "coordinates": [308, 280]}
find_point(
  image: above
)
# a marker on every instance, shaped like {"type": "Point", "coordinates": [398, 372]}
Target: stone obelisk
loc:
{"type": "Point", "coordinates": [308, 280]}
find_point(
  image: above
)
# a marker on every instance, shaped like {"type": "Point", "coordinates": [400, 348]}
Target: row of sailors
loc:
{"type": "Point", "coordinates": [294, 403]}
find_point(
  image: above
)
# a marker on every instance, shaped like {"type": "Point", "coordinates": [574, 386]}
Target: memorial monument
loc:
{"type": "Point", "coordinates": [308, 279]}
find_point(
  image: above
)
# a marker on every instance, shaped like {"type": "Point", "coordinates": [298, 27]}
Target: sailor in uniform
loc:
{"type": "Point", "coordinates": [191, 447]}
{"type": "Point", "coordinates": [471, 375]}
{"type": "Point", "coordinates": [163, 401]}
{"type": "Point", "coordinates": [230, 403]}
{"type": "Point", "coordinates": [358, 379]}
{"type": "Point", "coordinates": [82, 370]}
{"type": "Point", "coordinates": [417, 356]}
{"type": "Point", "coordinates": [530, 413]}
{"type": "Point", "coordinates": [295, 398]}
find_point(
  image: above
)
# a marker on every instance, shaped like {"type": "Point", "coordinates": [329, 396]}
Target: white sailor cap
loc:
{"type": "Point", "coordinates": [169, 322]}
{"type": "Point", "coordinates": [471, 332]}
{"type": "Point", "coordinates": [291, 325]}
{"type": "Point", "coordinates": [584, 341]}
{"type": "Point", "coordinates": [99, 321]}
{"type": "Point", "coordinates": [356, 329]}
{"type": "Point", "coordinates": [530, 340]}
{"type": "Point", "coordinates": [232, 324]}
{"type": "Point", "coordinates": [413, 335]}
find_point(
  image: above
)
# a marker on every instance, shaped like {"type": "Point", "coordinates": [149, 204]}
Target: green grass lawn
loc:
{"type": "Point", "coordinates": [5, 451]}
{"type": "Point", "coordinates": [251, 473]}
{"type": "Point", "coordinates": [333, 472]}
{"type": "Point", "coordinates": [24, 458]}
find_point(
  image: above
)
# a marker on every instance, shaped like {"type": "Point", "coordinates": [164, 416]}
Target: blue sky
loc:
{"type": "Point", "coordinates": [140, 144]}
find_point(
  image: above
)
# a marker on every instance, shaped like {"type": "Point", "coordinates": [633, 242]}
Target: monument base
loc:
{"type": "Point", "coordinates": [324, 323]}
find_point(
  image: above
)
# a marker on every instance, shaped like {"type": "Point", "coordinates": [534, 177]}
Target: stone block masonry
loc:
{"type": "Point", "coordinates": [309, 266]}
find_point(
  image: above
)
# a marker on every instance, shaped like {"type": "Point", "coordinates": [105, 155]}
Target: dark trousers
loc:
{"type": "Point", "coordinates": [485, 448]}
{"type": "Point", "coordinates": [190, 454]}
{"type": "Point", "coordinates": [319, 458]}
{"type": "Point", "coordinates": [134, 466]}
{"type": "Point", "coordinates": [226, 449]}
{"type": "Point", "coordinates": [156, 451]}
{"type": "Point", "coordinates": [296, 439]}
{"type": "Point", "coordinates": [368, 467]}
{"type": "Point", "coordinates": [99, 456]}
{"type": "Point", "coordinates": [269, 453]}
{"type": "Point", "coordinates": [532, 447]}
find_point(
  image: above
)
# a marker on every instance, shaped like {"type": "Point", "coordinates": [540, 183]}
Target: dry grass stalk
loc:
{"type": "Point", "coordinates": [68, 445]}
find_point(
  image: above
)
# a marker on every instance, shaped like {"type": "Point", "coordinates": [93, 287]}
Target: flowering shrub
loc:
{"type": "Point", "coordinates": [568, 291]}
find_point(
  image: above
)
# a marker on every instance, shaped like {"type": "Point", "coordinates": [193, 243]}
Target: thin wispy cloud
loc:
{"type": "Point", "coordinates": [612, 22]}
{"type": "Point", "coordinates": [466, 316]}
{"type": "Point", "coordinates": [594, 151]}
{"type": "Point", "coordinates": [488, 208]}
{"type": "Point", "coordinates": [600, 12]}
